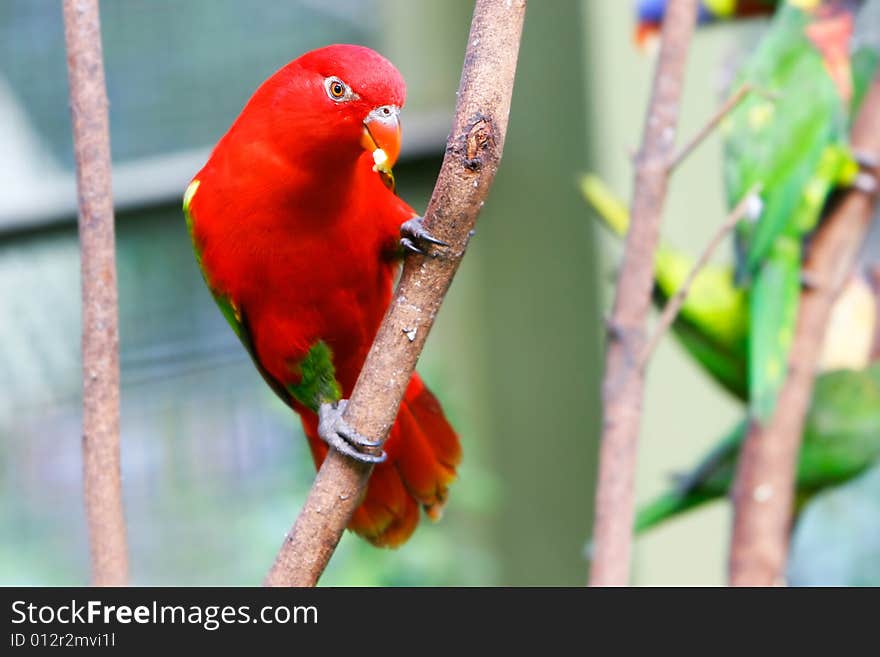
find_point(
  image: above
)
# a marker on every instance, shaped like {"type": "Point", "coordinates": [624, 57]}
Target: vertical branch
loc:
{"type": "Point", "coordinates": [764, 487]}
{"type": "Point", "coordinates": [473, 152]}
{"type": "Point", "coordinates": [100, 338]}
{"type": "Point", "coordinates": [623, 385]}
{"type": "Point", "coordinates": [874, 280]}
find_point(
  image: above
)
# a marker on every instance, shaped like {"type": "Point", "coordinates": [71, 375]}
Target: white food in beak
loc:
{"type": "Point", "coordinates": [379, 159]}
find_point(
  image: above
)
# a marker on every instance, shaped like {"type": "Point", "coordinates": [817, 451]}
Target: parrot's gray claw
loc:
{"type": "Point", "coordinates": [615, 331]}
{"type": "Point", "coordinates": [415, 237]}
{"type": "Point", "coordinates": [409, 245]}
{"type": "Point", "coordinates": [337, 433]}
{"type": "Point", "coordinates": [867, 160]}
{"type": "Point", "coordinates": [866, 182]}
{"type": "Point", "coordinates": [809, 280]}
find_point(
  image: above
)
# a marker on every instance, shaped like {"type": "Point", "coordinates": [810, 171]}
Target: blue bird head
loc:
{"type": "Point", "coordinates": [653, 11]}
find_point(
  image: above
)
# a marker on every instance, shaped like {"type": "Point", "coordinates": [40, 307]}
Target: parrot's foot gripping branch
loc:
{"type": "Point", "coordinates": [866, 159]}
{"type": "Point", "coordinates": [810, 281]}
{"type": "Point", "coordinates": [415, 237]}
{"type": "Point", "coordinates": [866, 180]}
{"type": "Point", "coordinates": [866, 183]}
{"type": "Point", "coordinates": [337, 433]}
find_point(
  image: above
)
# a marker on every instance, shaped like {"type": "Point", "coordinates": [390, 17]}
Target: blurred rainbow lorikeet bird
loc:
{"type": "Point", "coordinates": [713, 324]}
{"type": "Point", "coordinates": [799, 161]}
{"type": "Point", "coordinates": [842, 434]}
{"type": "Point", "coordinates": [650, 13]}
{"type": "Point", "coordinates": [792, 141]}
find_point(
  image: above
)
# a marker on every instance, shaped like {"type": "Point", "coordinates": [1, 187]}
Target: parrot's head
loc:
{"type": "Point", "coordinates": [333, 103]}
{"type": "Point", "coordinates": [650, 13]}
{"type": "Point", "coordinates": [830, 28]}
{"type": "Point", "coordinates": [649, 18]}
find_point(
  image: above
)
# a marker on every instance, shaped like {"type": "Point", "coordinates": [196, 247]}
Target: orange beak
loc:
{"type": "Point", "coordinates": [381, 136]}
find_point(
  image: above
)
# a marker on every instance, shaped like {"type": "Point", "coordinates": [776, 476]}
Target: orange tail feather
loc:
{"type": "Point", "coordinates": [423, 452]}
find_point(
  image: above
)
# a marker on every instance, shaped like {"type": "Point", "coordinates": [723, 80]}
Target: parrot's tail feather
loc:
{"type": "Point", "coordinates": [665, 507]}
{"type": "Point", "coordinates": [773, 307]}
{"type": "Point", "coordinates": [388, 514]}
{"type": "Point", "coordinates": [423, 452]}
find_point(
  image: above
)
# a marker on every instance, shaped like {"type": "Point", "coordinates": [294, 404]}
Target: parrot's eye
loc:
{"type": "Point", "coordinates": [338, 90]}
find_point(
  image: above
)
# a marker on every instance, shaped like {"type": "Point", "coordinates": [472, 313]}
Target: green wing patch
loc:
{"type": "Point", "coordinates": [318, 383]}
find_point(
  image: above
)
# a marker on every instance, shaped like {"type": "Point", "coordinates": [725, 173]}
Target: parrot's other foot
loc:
{"type": "Point", "coordinates": [619, 333]}
{"type": "Point", "coordinates": [867, 160]}
{"type": "Point", "coordinates": [337, 433]}
{"type": "Point", "coordinates": [810, 281]}
{"type": "Point", "coordinates": [615, 332]}
{"type": "Point", "coordinates": [866, 182]}
{"type": "Point", "coordinates": [415, 237]}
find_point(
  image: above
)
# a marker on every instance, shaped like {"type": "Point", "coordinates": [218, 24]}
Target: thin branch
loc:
{"type": "Point", "coordinates": [673, 306]}
{"type": "Point", "coordinates": [623, 385]}
{"type": "Point", "coordinates": [874, 280]}
{"type": "Point", "coordinates": [764, 487]}
{"type": "Point", "coordinates": [100, 337]}
{"type": "Point", "coordinates": [473, 152]}
{"type": "Point", "coordinates": [729, 105]}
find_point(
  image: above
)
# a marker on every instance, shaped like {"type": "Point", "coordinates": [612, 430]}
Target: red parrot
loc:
{"type": "Point", "coordinates": [299, 236]}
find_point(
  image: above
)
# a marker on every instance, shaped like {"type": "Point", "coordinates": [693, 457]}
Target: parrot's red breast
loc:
{"type": "Point", "coordinates": [297, 233]}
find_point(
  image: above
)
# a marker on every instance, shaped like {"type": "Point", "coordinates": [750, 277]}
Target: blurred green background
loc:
{"type": "Point", "coordinates": [214, 466]}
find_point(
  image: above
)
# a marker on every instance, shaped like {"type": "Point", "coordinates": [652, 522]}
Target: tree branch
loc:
{"type": "Point", "coordinates": [729, 105]}
{"type": "Point", "coordinates": [874, 280]}
{"type": "Point", "coordinates": [623, 385]}
{"type": "Point", "coordinates": [473, 152]}
{"type": "Point", "coordinates": [670, 310]}
{"type": "Point", "coordinates": [764, 487]}
{"type": "Point", "coordinates": [100, 337]}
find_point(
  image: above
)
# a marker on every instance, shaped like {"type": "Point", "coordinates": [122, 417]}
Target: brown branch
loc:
{"type": "Point", "coordinates": [623, 385]}
{"type": "Point", "coordinates": [728, 106]}
{"type": "Point", "coordinates": [100, 337]}
{"type": "Point", "coordinates": [673, 306]}
{"type": "Point", "coordinates": [874, 280]}
{"type": "Point", "coordinates": [473, 152]}
{"type": "Point", "coordinates": [764, 487]}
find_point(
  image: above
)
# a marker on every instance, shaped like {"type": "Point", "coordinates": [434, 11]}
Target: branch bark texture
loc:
{"type": "Point", "coordinates": [623, 384]}
{"type": "Point", "coordinates": [100, 337]}
{"type": "Point", "coordinates": [764, 487]}
{"type": "Point", "coordinates": [473, 152]}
